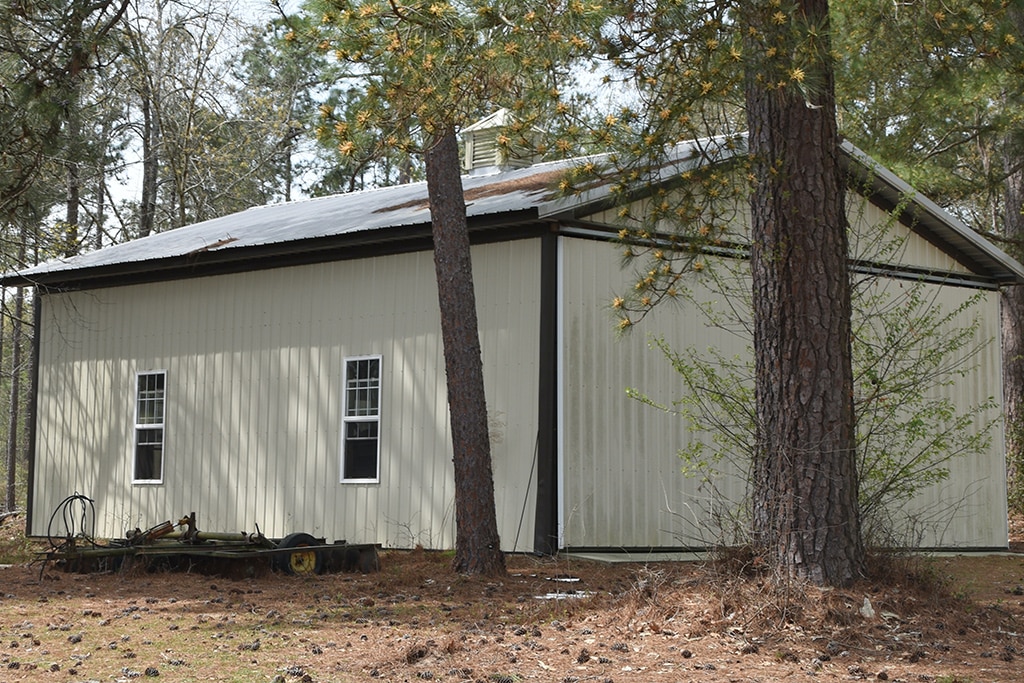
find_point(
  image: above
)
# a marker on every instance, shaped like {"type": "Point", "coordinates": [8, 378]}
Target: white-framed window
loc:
{"type": "Point", "coordinates": [360, 437]}
{"type": "Point", "coordinates": [150, 411]}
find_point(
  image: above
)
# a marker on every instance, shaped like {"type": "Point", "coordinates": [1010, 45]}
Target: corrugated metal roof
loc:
{"type": "Point", "coordinates": [311, 219]}
{"type": "Point", "coordinates": [280, 226]}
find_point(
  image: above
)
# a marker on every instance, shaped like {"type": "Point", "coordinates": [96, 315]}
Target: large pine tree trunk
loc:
{"type": "Point", "coordinates": [804, 479]}
{"type": "Point", "coordinates": [477, 546]}
{"type": "Point", "coordinates": [1012, 309]}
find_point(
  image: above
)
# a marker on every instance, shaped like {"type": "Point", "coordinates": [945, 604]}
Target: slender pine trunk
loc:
{"type": "Point", "coordinates": [477, 546]}
{"type": "Point", "coordinates": [14, 414]}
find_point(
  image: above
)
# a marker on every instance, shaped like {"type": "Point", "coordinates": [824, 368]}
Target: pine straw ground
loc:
{"type": "Point", "coordinates": [951, 619]}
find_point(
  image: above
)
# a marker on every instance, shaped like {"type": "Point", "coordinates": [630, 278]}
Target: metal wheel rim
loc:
{"type": "Point", "coordinates": [303, 562]}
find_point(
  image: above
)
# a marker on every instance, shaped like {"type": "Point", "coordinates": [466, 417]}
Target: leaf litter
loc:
{"type": "Point", "coordinates": [943, 619]}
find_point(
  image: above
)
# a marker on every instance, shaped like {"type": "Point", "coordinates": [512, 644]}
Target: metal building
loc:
{"type": "Point", "coordinates": [283, 367]}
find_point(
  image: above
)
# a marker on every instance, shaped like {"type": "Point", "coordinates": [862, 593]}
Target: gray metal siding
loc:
{"type": "Point", "coordinates": [254, 369]}
{"type": "Point", "coordinates": [915, 251]}
{"type": "Point", "coordinates": [623, 484]}
{"type": "Point", "coordinates": [862, 214]}
{"type": "Point", "coordinates": [968, 509]}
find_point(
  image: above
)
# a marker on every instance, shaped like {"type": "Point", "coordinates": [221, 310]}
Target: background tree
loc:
{"type": "Point", "coordinates": [933, 90]}
{"type": "Point", "coordinates": [46, 53]}
{"type": "Point", "coordinates": [65, 128]}
{"type": "Point", "coordinates": [275, 84]}
{"type": "Point", "coordinates": [178, 77]}
{"type": "Point", "coordinates": [216, 111]}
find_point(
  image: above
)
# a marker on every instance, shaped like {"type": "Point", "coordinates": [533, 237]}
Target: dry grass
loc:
{"type": "Point", "coordinates": [944, 619]}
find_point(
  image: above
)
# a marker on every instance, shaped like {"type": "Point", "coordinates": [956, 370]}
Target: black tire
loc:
{"type": "Point", "coordinates": [299, 562]}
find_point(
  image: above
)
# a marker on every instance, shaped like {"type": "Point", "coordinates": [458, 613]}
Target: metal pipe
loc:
{"type": "Point", "coordinates": [254, 539]}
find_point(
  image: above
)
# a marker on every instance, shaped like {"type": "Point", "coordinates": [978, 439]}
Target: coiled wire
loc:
{"type": "Point", "coordinates": [76, 511]}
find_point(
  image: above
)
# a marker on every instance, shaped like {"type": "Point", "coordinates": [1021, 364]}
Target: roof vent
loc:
{"type": "Point", "coordinates": [483, 154]}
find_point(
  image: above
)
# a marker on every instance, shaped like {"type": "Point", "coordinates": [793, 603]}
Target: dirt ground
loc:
{"type": "Point", "coordinates": [959, 619]}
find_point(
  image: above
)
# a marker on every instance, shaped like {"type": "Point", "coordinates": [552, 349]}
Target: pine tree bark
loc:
{"type": "Point", "coordinates": [150, 168]}
{"type": "Point", "coordinates": [73, 177]}
{"type": "Point", "coordinates": [1012, 311]}
{"type": "Point", "coordinates": [1012, 307]}
{"type": "Point", "coordinates": [14, 404]}
{"type": "Point", "coordinates": [101, 205]}
{"type": "Point", "coordinates": [804, 479]}
{"type": "Point", "coordinates": [477, 546]}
